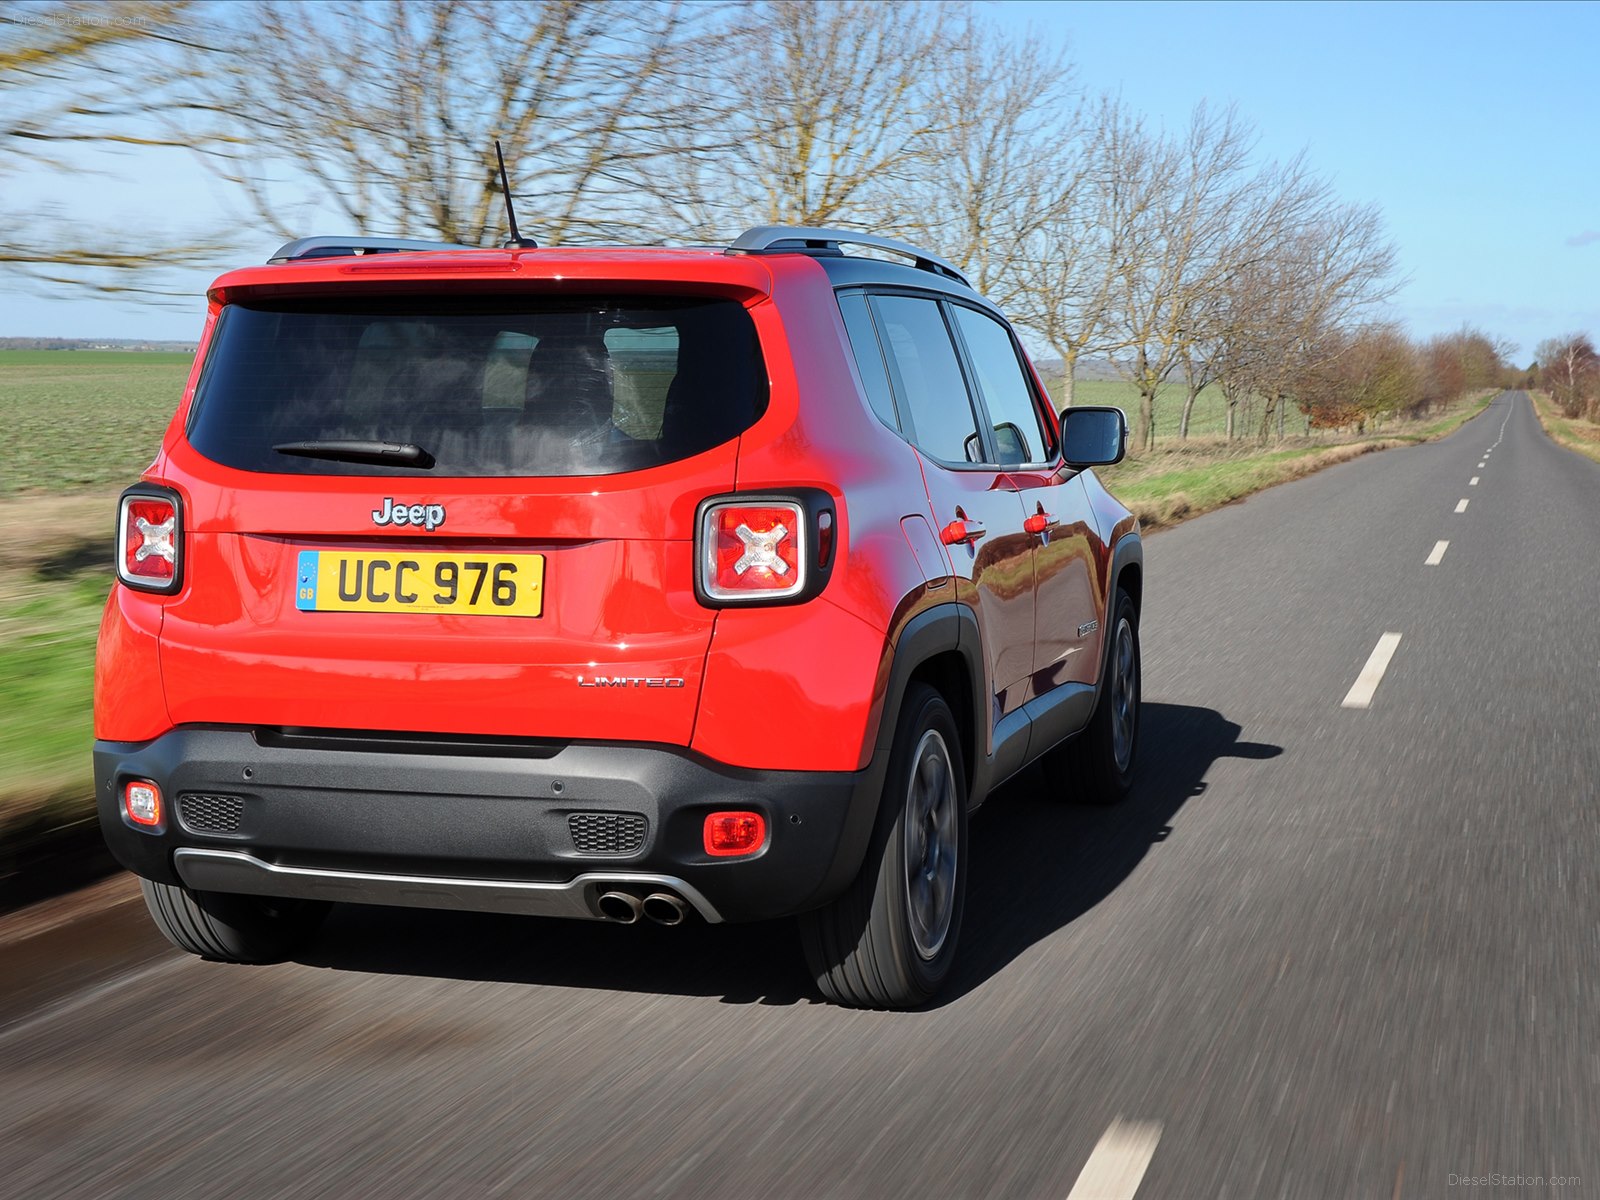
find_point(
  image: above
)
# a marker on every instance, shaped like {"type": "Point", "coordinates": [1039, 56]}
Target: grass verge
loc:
{"type": "Point", "coordinates": [55, 570]}
{"type": "Point", "coordinates": [1572, 432]}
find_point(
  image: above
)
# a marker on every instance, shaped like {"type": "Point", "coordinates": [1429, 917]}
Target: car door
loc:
{"type": "Point", "coordinates": [1057, 515]}
{"type": "Point", "coordinates": [977, 512]}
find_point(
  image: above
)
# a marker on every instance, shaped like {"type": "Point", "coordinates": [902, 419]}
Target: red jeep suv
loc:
{"type": "Point", "coordinates": [609, 583]}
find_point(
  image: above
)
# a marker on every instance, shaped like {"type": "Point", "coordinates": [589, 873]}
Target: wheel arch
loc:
{"type": "Point", "coordinates": [1127, 573]}
{"type": "Point", "coordinates": [940, 647]}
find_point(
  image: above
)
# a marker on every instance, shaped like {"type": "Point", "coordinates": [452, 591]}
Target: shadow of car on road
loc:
{"type": "Point", "coordinates": [1038, 863]}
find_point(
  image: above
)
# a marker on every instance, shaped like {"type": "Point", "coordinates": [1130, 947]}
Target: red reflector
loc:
{"type": "Point", "coordinates": [732, 833]}
{"type": "Point", "coordinates": [754, 550]}
{"type": "Point", "coordinates": [141, 801]}
{"type": "Point", "coordinates": [147, 541]}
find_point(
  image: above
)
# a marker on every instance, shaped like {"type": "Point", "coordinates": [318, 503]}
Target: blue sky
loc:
{"type": "Point", "coordinates": [1474, 127]}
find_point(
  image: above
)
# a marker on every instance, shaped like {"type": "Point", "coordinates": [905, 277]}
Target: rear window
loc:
{"type": "Point", "coordinates": [506, 386]}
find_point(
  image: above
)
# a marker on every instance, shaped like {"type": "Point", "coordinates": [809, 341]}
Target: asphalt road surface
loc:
{"type": "Point", "coordinates": [1343, 941]}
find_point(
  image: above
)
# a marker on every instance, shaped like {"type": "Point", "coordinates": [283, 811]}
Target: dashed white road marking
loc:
{"type": "Point", "coordinates": [1482, 464]}
{"type": "Point", "coordinates": [1462, 507]}
{"type": "Point", "coordinates": [1366, 684]}
{"type": "Point", "coordinates": [1118, 1162]}
{"type": "Point", "coordinates": [1435, 558]}
{"type": "Point", "coordinates": [1474, 482]}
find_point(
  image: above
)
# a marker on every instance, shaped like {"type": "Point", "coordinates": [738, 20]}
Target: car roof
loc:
{"type": "Point", "coordinates": [336, 259]}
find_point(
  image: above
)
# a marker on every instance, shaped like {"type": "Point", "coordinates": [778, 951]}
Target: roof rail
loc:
{"type": "Point", "coordinates": [345, 247]}
{"type": "Point", "coordinates": [797, 239]}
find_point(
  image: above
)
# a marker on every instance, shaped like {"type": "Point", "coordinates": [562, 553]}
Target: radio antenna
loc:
{"type": "Point", "coordinates": [517, 242]}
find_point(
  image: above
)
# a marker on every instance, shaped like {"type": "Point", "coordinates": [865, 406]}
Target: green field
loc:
{"type": "Point", "coordinates": [1210, 417]}
{"type": "Point", "coordinates": [84, 418]}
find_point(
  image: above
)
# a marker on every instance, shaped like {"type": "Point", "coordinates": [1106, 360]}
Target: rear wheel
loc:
{"type": "Point", "coordinates": [1096, 767]}
{"type": "Point", "coordinates": [242, 929]}
{"type": "Point", "coordinates": [890, 940]}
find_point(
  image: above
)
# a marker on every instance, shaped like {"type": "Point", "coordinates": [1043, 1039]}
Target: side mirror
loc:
{"type": "Point", "coordinates": [1093, 436]}
{"type": "Point", "coordinates": [1009, 444]}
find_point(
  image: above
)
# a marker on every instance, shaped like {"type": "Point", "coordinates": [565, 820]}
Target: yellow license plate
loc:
{"type": "Point", "coordinates": [489, 585]}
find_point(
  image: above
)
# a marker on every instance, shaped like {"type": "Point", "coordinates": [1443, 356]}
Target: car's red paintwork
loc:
{"type": "Point", "coordinates": [619, 561]}
{"type": "Point", "coordinates": [802, 687]}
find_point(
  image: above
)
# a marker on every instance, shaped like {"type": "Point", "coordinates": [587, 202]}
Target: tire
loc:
{"type": "Point", "coordinates": [240, 929]}
{"type": "Point", "coordinates": [890, 941]}
{"type": "Point", "coordinates": [1096, 767]}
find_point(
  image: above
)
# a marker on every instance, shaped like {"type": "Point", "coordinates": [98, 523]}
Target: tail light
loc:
{"type": "Point", "coordinates": [150, 539]}
{"type": "Point", "coordinates": [764, 549]}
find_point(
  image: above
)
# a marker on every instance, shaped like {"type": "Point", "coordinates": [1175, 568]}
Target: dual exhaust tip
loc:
{"type": "Point", "coordinates": [625, 908]}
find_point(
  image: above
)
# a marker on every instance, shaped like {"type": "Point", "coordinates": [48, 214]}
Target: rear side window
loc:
{"type": "Point", "coordinates": [936, 413]}
{"type": "Point", "coordinates": [505, 386]}
{"type": "Point", "coordinates": [869, 357]}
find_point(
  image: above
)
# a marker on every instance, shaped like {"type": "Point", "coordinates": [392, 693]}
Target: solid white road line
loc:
{"type": "Point", "coordinates": [1437, 556]}
{"type": "Point", "coordinates": [1361, 691]}
{"type": "Point", "coordinates": [1474, 482]}
{"type": "Point", "coordinates": [1462, 507]}
{"type": "Point", "coordinates": [1119, 1161]}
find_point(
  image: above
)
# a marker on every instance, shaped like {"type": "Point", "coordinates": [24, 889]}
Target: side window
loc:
{"type": "Point", "coordinates": [1018, 434]}
{"type": "Point", "coordinates": [869, 356]}
{"type": "Point", "coordinates": [936, 413]}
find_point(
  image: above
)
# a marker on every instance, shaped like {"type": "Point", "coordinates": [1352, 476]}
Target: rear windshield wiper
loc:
{"type": "Point", "coordinates": [383, 454]}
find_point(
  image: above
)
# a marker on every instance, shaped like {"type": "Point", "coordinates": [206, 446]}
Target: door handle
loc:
{"type": "Point", "coordinates": [1039, 522]}
{"type": "Point", "coordinates": [961, 532]}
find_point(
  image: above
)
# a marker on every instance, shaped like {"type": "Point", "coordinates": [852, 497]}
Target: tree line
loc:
{"type": "Point", "coordinates": [1367, 375]}
{"type": "Point", "coordinates": [1568, 367]}
{"type": "Point", "coordinates": [1180, 256]}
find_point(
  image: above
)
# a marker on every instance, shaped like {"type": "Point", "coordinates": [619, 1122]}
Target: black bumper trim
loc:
{"type": "Point", "coordinates": [484, 829]}
{"type": "Point", "coordinates": [238, 872]}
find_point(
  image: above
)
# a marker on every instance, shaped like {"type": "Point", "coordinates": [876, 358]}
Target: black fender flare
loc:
{"type": "Point", "coordinates": [935, 631]}
{"type": "Point", "coordinates": [938, 630]}
{"type": "Point", "coordinates": [1127, 552]}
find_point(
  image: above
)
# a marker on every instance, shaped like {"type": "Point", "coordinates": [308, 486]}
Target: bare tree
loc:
{"type": "Point", "coordinates": [1331, 274]}
{"type": "Point", "coordinates": [388, 112]}
{"type": "Point", "coordinates": [1161, 298]}
{"type": "Point", "coordinates": [1076, 261]}
{"type": "Point", "coordinates": [64, 71]}
{"type": "Point", "coordinates": [1271, 208]}
{"type": "Point", "coordinates": [1569, 369]}
{"type": "Point", "coordinates": [810, 114]}
{"type": "Point", "coordinates": [1005, 163]}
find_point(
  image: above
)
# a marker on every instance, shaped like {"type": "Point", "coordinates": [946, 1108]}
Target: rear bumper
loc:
{"type": "Point", "coordinates": [487, 827]}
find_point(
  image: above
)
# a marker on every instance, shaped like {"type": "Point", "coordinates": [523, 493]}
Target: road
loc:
{"type": "Point", "coordinates": [1326, 950]}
